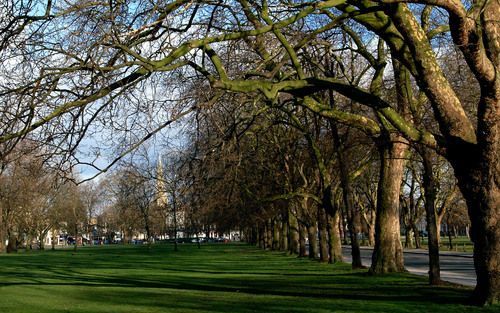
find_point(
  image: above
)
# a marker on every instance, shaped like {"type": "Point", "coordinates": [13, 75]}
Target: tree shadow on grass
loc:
{"type": "Point", "coordinates": [221, 282]}
{"type": "Point", "coordinates": [354, 286]}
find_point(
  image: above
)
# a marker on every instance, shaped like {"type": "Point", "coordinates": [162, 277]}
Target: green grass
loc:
{"type": "Point", "coordinates": [216, 278]}
{"type": "Point", "coordinates": [460, 244]}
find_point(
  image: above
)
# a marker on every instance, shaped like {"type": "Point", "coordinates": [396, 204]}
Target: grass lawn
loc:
{"type": "Point", "coordinates": [460, 244]}
{"type": "Point", "coordinates": [215, 278]}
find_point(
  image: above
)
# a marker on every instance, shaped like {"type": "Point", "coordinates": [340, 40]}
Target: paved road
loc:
{"type": "Point", "coordinates": [456, 267]}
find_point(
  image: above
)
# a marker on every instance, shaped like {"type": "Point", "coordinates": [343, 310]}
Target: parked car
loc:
{"type": "Point", "coordinates": [200, 240]}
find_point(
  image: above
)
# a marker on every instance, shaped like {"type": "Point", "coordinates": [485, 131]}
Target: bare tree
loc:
{"type": "Point", "coordinates": [111, 51]}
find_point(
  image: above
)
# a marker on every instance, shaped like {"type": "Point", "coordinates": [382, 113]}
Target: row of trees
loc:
{"type": "Point", "coordinates": [264, 163]}
{"type": "Point", "coordinates": [37, 201]}
{"type": "Point", "coordinates": [139, 198]}
{"type": "Point", "coordinates": [379, 76]}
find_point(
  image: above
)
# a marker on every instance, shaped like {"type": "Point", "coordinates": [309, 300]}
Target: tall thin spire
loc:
{"type": "Point", "coordinates": [162, 199]}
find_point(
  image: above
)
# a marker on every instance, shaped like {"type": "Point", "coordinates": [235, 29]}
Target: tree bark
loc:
{"type": "Point", "coordinates": [345, 181]}
{"type": "Point", "coordinates": [473, 153]}
{"type": "Point", "coordinates": [450, 239]}
{"type": "Point", "coordinates": [43, 235]}
{"type": "Point", "coordinates": [371, 235]}
{"type": "Point", "coordinates": [409, 236]}
{"type": "Point", "coordinates": [302, 240]}
{"type": "Point", "coordinates": [416, 234]}
{"type": "Point", "coordinates": [478, 172]}
{"type": "Point", "coordinates": [12, 245]}
{"type": "Point", "coordinates": [323, 236]}
{"type": "Point", "coordinates": [293, 233]}
{"type": "Point", "coordinates": [355, 249]}
{"type": "Point", "coordinates": [2, 231]}
{"type": "Point", "coordinates": [484, 211]}
{"type": "Point", "coordinates": [284, 234]}
{"type": "Point", "coordinates": [276, 234]}
{"type": "Point", "coordinates": [269, 235]}
{"type": "Point", "coordinates": [331, 229]}
{"type": "Point", "coordinates": [484, 204]}
{"type": "Point", "coordinates": [430, 193]}
{"type": "Point", "coordinates": [312, 235]}
{"type": "Point", "coordinates": [388, 254]}
{"type": "Point", "coordinates": [335, 240]}
{"type": "Point", "coordinates": [262, 236]}
{"type": "Point", "coordinates": [343, 226]}
{"type": "Point", "coordinates": [53, 240]}
{"type": "Point", "coordinates": [438, 230]}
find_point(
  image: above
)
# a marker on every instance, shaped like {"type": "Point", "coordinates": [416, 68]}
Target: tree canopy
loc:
{"type": "Point", "coordinates": [123, 71]}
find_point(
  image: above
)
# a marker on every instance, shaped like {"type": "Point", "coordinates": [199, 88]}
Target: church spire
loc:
{"type": "Point", "coordinates": [161, 200]}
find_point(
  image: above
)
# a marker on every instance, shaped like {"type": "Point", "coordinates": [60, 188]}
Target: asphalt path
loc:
{"type": "Point", "coordinates": [456, 267]}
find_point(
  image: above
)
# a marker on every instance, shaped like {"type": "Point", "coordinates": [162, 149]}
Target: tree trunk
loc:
{"type": "Point", "coordinates": [331, 220]}
{"type": "Point", "coordinates": [174, 207]}
{"type": "Point", "coordinates": [276, 234]}
{"type": "Point", "coordinates": [255, 235]}
{"type": "Point", "coordinates": [430, 192]}
{"type": "Point", "coordinates": [269, 235]}
{"type": "Point", "coordinates": [302, 240]}
{"type": "Point", "coordinates": [371, 235]}
{"type": "Point", "coordinates": [76, 235]}
{"type": "Point", "coordinates": [323, 236]}
{"type": "Point", "coordinates": [207, 231]}
{"type": "Point", "coordinates": [12, 244]}
{"type": "Point", "coordinates": [484, 212]}
{"type": "Point", "coordinates": [335, 241]}
{"type": "Point", "coordinates": [438, 229]}
{"type": "Point", "coordinates": [408, 236]}
{"type": "Point", "coordinates": [127, 237]}
{"type": "Point", "coordinates": [416, 234]}
{"type": "Point", "coordinates": [388, 254]}
{"type": "Point", "coordinates": [249, 236]}
{"type": "Point", "coordinates": [473, 153]}
{"type": "Point", "coordinates": [53, 241]}
{"type": "Point", "coordinates": [482, 194]}
{"type": "Point", "coordinates": [450, 239]}
{"type": "Point", "coordinates": [284, 234]}
{"type": "Point", "coordinates": [293, 233]}
{"type": "Point", "coordinates": [312, 235]}
{"type": "Point", "coordinates": [351, 212]}
{"type": "Point", "coordinates": [148, 230]}
{"type": "Point", "coordinates": [2, 232]}
{"type": "Point", "coordinates": [343, 226]}
{"type": "Point", "coordinates": [355, 249]}
{"type": "Point", "coordinates": [262, 236]}
{"type": "Point", "coordinates": [43, 235]}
